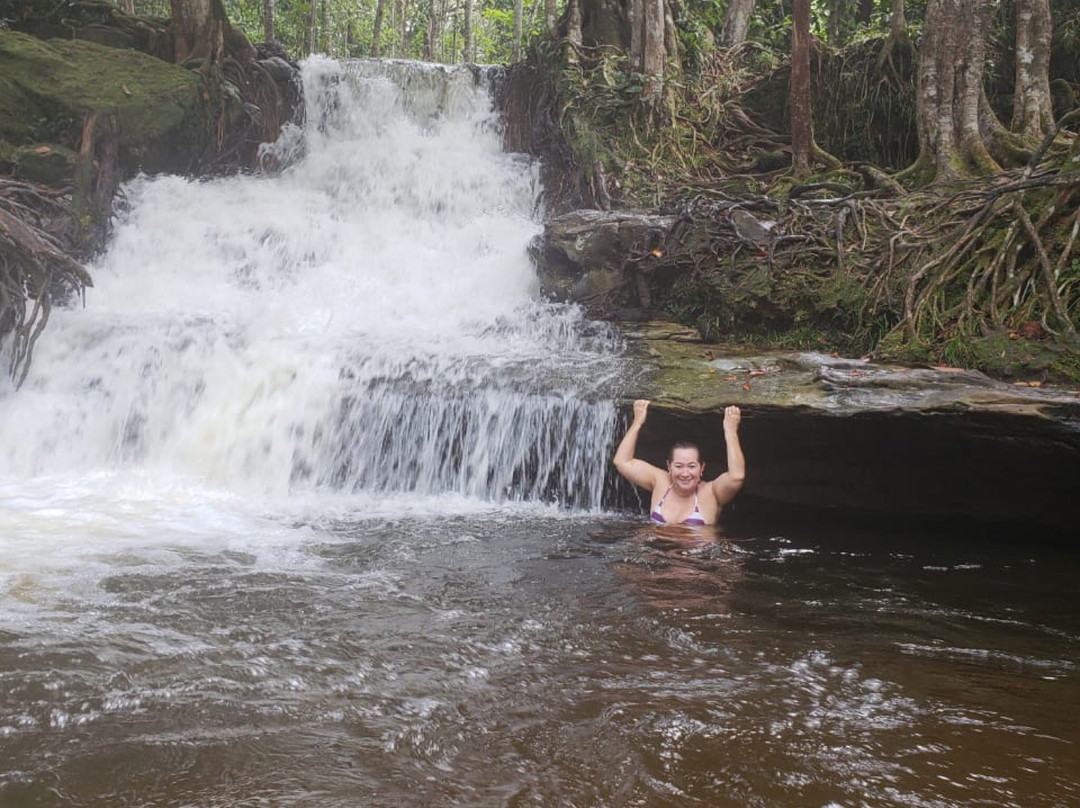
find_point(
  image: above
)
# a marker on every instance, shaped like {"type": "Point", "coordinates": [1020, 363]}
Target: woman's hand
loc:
{"type": "Point", "coordinates": [641, 409]}
{"type": "Point", "coordinates": [732, 417]}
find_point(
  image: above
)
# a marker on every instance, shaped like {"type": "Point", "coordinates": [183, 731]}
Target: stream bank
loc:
{"type": "Point", "coordinates": [856, 258]}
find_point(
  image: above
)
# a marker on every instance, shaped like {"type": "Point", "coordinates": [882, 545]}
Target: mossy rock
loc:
{"type": "Point", "coordinates": [47, 164]}
{"type": "Point", "coordinates": [7, 157]}
{"type": "Point", "coordinates": [1009, 355]}
{"type": "Point", "coordinates": [48, 87]}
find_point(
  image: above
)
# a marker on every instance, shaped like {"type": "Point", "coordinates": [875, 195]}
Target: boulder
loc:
{"type": "Point", "coordinates": [856, 437]}
{"type": "Point", "coordinates": [585, 253]}
{"type": "Point", "coordinates": [48, 88]}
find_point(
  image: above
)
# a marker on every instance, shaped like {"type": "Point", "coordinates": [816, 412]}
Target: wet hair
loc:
{"type": "Point", "coordinates": [683, 445]}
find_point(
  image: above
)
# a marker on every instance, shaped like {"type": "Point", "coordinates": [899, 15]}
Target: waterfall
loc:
{"type": "Point", "coordinates": [363, 320]}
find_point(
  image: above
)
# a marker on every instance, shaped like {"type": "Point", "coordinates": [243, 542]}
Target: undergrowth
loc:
{"type": "Point", "coordinates": [984, 275]}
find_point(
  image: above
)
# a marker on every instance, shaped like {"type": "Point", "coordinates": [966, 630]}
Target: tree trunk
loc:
{"type": "Point", "coordinates": [128, 6]}
{"type": "Point", "coordinates": [652, 49]}
{"type": "Point", "coordinates": [268, 20]}
{"type": "Point", "coordinates": [380, 7]}
{"type": "Point", "coordinates": [312, 26]}
{"type": "Point", "coordinates": [516, 54]}
{"type": "Point", "coordinates": [551, 18]}
{"type": "Point", "coordinates": [574, 33]}
{"type": "Point", "coordinates": [1033, 114]}
{"type": "Point", "coordinates": [802, 131]}
{"type": "Point", "coordinates": [198, 30]}
{"type": "Point", "coordinates": [736, 22]}
{"type": "Point", "coordinates": [445, 18]}
{"type": "Point", "coordinates": [898, 35]}
{"type": "Point", "coordinates": [948, 104]}
{"type": "Point", "coordinates": [637, 30]}
{"type": "Point", "coordinates": [401, 26]}
{"type": "Point", "coordinates": [433, 33]}
{"type": "Point", "coordinates": [671, 33]}
{"type": "Point", "coordinates": [898, 22]}
{"type": "Point", "coordinates": [832, 27]}
{"type": "Point", "coordinates": [467, 33]}
{"type": "Point", "coordinates": [324, 26]}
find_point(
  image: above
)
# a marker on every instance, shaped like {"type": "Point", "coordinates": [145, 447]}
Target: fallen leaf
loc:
{"type": "Point", "coordinates": [125, 90]}
{"type": "Point", "coordinates": [855, 373]}
{"type": "Point", "coordinates": [757, 373]}
{"type": "Point", "coordinates": [657, 253]}
{"type": "Point", "coordinates": [746, 386]}
{"type": "Point", "coordinates": [1013, 335]}
{"type": "Point", "coordinates": [42, 150]}
{"type": "Point", "coordinates": [729, 378]}
{"type": "Point", "coordinates": [712, 370]}
{"type": "Point", "coordinates": [1032, 330]}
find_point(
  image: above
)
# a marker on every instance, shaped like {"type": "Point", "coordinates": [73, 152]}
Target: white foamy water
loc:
{"type": "Point", "coordinates": [361, 326]}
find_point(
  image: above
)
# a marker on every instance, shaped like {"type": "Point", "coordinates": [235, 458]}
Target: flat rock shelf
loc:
{"type": "Point", "coordinates": [834, 433]}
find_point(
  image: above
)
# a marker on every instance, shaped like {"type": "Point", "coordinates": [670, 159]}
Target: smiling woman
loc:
{"type": "Point", "coordinates": [679, 496]}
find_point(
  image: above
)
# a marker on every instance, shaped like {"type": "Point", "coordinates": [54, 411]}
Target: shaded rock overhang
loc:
{"type": "Point", "coordinates": [852, 437]}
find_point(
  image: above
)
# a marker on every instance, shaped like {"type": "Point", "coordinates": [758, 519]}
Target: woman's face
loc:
{"type": "Point", "coordinates": [685, 468]}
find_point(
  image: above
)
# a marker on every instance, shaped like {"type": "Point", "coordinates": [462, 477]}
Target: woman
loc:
{"type": "Point", "coordinates": [679, 496]}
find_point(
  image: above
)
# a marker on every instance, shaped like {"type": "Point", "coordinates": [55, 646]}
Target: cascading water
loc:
{"type": "Point", "coordinates": [365, 321]}
{"type": "Point", "coordinates": [299, 511]}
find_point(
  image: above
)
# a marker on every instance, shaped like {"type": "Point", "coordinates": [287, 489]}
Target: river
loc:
{"type": "Point", "coordinates": [310, 506]}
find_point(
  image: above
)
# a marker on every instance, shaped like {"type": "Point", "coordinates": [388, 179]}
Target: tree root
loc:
{"type": "Point", "coordinates": [994, 255]}
{"type": "Point", "coordinates": [35, 269]}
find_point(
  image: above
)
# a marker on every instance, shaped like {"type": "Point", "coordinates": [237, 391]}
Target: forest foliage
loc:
{"type": "Point", "coordinates": [344, 28]}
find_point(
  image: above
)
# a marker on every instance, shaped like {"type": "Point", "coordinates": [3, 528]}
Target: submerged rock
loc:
{"type": "Point", "coordinates": [848, 434]}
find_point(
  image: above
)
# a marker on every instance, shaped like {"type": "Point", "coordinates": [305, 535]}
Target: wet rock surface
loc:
{"type": "Point", "coordinates": [850, 435]}
{"type": "Point", "coordinates": [583, 253]}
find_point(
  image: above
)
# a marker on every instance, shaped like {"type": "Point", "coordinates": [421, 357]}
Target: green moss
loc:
{"type": "Point", "coordinates": [7, 157]}
{"type": "Point", "coordinates": [19, 111]}
{"type": "Point", "coordinates": [1001, 354]}
{"type": "Point", "coordinates": [839, 295]}
{"type": "Point", "coordinates": [896, 347]}
{"type": "Point", "coordinates": [958, 352]}
{"type": "Point", "coordinates": [48, 87]}
{"type": "Point", "coordinates": [1007, 355]}
{"type": "Point", "coordinates": [46, 164]}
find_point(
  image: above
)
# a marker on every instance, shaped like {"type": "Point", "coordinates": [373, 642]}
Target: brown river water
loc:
{"type": "Point", "coordinates": [516, 659]}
